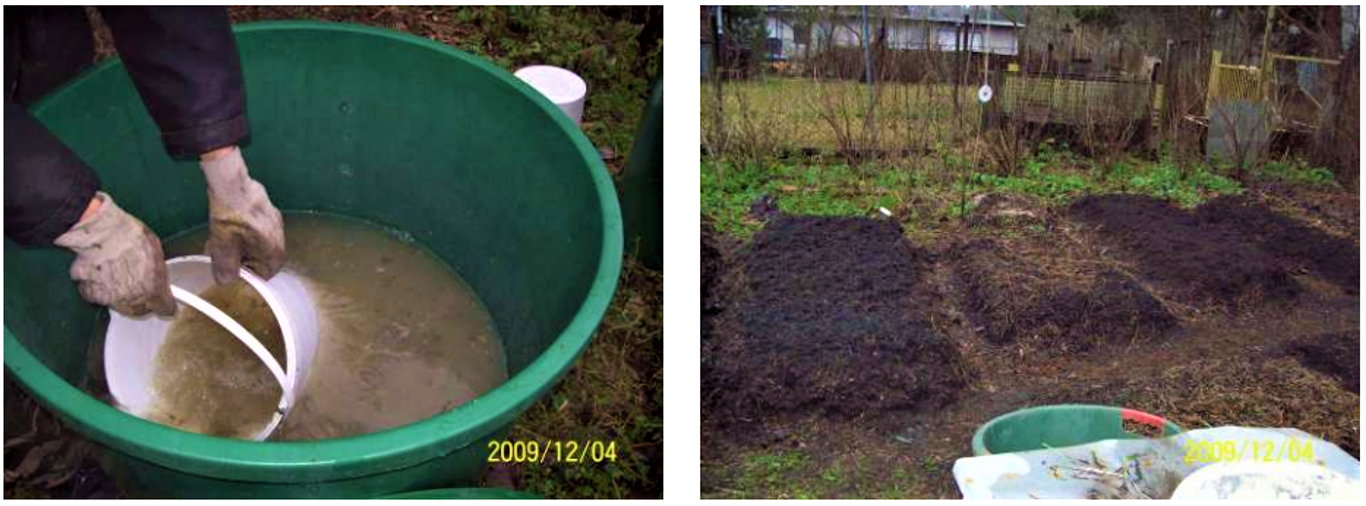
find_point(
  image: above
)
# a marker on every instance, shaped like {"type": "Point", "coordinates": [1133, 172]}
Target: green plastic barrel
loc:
{"type": "Point", "coordinates": [642, 199]}
{"type": "Point", "coordinates": [1062, 425]}
{"type": "Point", "coordinates": [465, 493]}
{"type": "Point", "coordinates": [370, 123]}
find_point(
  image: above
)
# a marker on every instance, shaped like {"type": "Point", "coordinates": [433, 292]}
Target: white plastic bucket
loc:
{"type": "Point", "coordinates": [131, 344]}
{"type": "Point", "coordinates": [566, 89]}
{"type": "Point", "coordinates": [1266, 481]}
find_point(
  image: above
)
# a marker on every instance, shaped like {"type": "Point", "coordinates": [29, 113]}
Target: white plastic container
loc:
{"type": "Point", "coordinates": [566, 89]}
{"type": "Point", "coordinates": [1267, 481]}
{"type": "Point", "coordinates": [131, 344]}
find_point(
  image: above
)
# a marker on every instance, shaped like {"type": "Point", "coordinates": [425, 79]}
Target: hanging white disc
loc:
{"type": "Point", "coordinates": [984, 93]}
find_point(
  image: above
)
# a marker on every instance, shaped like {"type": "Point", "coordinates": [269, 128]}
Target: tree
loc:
{"type": "Point", "coordinates": [1100, 16]}
{"type": "Point", "coordinates": [746, 25]}
{"type": "Point", "coordinates": [746, 31]}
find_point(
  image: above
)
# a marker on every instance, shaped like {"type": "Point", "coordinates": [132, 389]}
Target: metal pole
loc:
{"type": "Point", "coordinates": [716, 50]}
{"type": "Point", "coordinates": [870, 118]}
{"type": "Point", "coordinates": [867, 50]}
{"type": "Point", "coordinates": [986, 47]}
{"type": "Point", "coordinates": [716, 81]}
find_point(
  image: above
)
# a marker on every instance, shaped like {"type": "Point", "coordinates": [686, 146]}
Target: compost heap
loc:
{"type": "Point", "coordinates": [1229, 252]}
{"type": "Point", "coordinates": [1293, 244]}
{"type": "Point", "coordinates": [1015, 299]}
{"type": "Point", "coordinates": [826, 322]}
{"type": "Point", "coordinates": [713, 266]}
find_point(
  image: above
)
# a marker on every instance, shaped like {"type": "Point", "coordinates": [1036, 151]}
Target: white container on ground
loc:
{"type": "Point", "coordinates": [566, 89]}
{"type": "Point", "coordinates": [131, 344]}
{"type": "Point", "coordinates": [1266, 481]}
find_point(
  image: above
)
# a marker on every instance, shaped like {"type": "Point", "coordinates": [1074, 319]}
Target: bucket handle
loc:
{"type": "Point", "coordinates": [241, 333]}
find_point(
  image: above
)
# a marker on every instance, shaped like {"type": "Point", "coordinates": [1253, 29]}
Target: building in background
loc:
{"type": "Point", "coordinates": [794, 30]}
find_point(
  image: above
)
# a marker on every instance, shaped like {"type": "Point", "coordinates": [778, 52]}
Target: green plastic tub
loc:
{"type": "Point", "coordinates": [465, 493]}
{"type": "Point", "coordinates": [369, 123]}
{"type": "Point", "coordinates": [642, 195]}
{"type": "Point", "coordinates": [1062, 425]}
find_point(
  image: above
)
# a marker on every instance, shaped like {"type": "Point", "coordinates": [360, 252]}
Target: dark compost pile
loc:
{"type": "Point", "coordinates": [827, 322]}
{"type": "Point", "coordinates": [713, 265]}
{"type": "Point", "coordinates": [1201, 262]}
{"type": "Point", "coordinates": [1295, 245]}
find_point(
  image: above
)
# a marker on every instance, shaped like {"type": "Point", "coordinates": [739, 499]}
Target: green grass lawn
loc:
{"type": "Point", "coordinates": [928, 196]}
{"type": "Point", "coordinates": [614, 394]}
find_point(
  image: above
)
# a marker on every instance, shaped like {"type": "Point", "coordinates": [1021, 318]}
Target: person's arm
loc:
{"type": "Point", "coordinates": [47, 187]}
{"type": "Point", "coordinates": [53, 198]}
{"type": "Point", "coordinates": [184, 63]}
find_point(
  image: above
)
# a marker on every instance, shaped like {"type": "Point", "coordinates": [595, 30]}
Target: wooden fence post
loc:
{"type": "Point", "coordinates": [1213, 83]}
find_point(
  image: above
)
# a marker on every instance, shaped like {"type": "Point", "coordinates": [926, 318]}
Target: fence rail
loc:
{"type": "Point", "coordinates": [1075, 100]}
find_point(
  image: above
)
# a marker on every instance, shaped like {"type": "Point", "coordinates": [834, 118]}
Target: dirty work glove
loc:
{"type": "Point", "coordinates": [244, 227]}
{"type": "Point", "coordinates": [119, 262]}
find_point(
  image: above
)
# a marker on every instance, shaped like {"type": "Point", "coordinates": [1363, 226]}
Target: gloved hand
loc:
{"type": "Point", "coordinates": [244, 227]}
{"type": "Point", "coordinates": [119, 262]}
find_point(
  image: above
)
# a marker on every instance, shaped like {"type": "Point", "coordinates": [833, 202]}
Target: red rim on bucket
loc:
{"type": "Point", "coordinates": [1149, 419]}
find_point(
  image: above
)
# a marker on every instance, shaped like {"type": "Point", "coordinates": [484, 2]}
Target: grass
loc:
{"type": "Point", "coordinates": [930, 196]}
{"type": "Point", "coordinates": [1295, 172]}
{"type": "Point", "coordinates": [790, 474]}
{"type": "Point", "coordinates": [791, 113]}
{"type": "Point", "coordinates": [765, 470]}
{"type": "Point", "coordinates": [1046, 176]}
{"type": "Point", "coordinates": [813, 474]}
{"type": "Point", "coordinates": [840, 190]}
{"type": "Point", "coordinates": [613, 394]}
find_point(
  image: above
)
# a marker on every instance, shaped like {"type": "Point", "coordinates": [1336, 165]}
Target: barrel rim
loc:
{"type": "Point", "coordinates": [979, 447]}
{"type": "Point", "coordinates": [368, 454]}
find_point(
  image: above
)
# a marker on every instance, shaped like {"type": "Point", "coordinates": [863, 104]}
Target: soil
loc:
{"type": "Point", "coordinates": [1295, 245]}
{"type": "Point", "coordinates": [1324, 207]}
{"type": "Point", "coordinates": [1201, 262]}
{"type": "Point", "coordinates": [826, 322]}
{"type": "Point", "coordinates": [1336, 354]}
{"type": "Point", "coordinates": [713, 265]}
{"type": "Point", "coordinates": [1017, 299]}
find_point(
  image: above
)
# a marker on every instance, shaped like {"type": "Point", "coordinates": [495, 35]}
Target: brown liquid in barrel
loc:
{"type": "Point", "coordinates": [206, 380]}
{"type": "Point", "coordinates": [401, 336]}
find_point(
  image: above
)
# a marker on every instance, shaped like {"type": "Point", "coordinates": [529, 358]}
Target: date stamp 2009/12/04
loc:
{"type": "Point", "coordinates": [567, 452]}
{"type": "Point", "coordinates": [1266, 450]}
